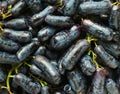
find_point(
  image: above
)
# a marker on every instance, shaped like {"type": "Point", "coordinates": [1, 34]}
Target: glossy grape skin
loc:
{"type": "Point", "coordinates": [98, 82]}
{"type": "Point", "coordinates": [26, 51]}
{"type": "Point", "coordinates": [112, 48]}
{"type": "Point", "coordinates": [38, 18]}
{"type": "Point", "coordinates": [36, 71]}
{"type": "Point", "coordinates": [108, 59]}
{"type": "Point", "coordinates": [111, 87]}
{"type": "Point", "coordinates": [77, 82]}
{"type": "Point", "coordinates": [6, 58]}
{"type": "Point", "coordinates": [95, 7]}
{"type": "Point", "coordinates": [63, 39]}
{"type": "Point", "coordinates": [42, 50]}
{"type": "Point", "coordinates": [48, 69]}
{"type": "Point", "coordinates": [19, 36]}
{"type": "Point", "coordinates": [70, 7]}
{"type": "Point", "coordinates": [114, 20]}
{"type": "Point", "coordinates": [101, 32]}
{"type": "Point", "coordinates": [68, 90]}
{"type": "Point", "coordinates": [45, 33]}
{"type": "Point", "coordinates": [70, 58]}
{"type": "Point", "coordinates": [34, 5]}
{"type": "Point", "coordinates": [27, 84]}
{"type": "Point", "coordinates": [9, 45]}
{"type": "Point", "coordinates": [87, 65]}
{"type": "Point", "coordinates": [60, 21]}
{"type": "Point", "coordinates": [17, 24]}
{"type": "Point", "coordinates": [18, 8]}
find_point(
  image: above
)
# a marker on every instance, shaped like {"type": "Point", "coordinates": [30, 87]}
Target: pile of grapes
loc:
{"type": "Point", "coordinates": [60, 47]}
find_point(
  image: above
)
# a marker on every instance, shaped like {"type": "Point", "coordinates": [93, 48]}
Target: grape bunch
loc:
{"type": "Point", "coordinates": [60, 47]}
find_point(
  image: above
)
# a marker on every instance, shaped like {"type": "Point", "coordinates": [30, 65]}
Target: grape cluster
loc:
{"type": "Point", "coordinates": [60, 47]}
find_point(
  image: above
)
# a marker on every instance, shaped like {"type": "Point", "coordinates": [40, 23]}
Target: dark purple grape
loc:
{"type": "Point", "coordinates": [112, 48]}
{"type": "Point", "coordinates": [34, 5]}
{"type": "Point", "coordinates": [70, 7]}
{"type": "Point", "coordinates": [111, 87]}
{"type": "Point", "coordinates": [18, 8]}
{"type": "Point", "coordinates": [18, 23]}
{"type": "Point", "coordinates": [68, 89]}
{"type": "Point", "coordinates": [45, 33]}
{"type": "Point", "coordinates": [77, 82]}
{"type": "Point", "coordinates": [36, 71]}
{"type": "Point", "coordinates": [27, 84]}
{"type": "Point", "coordinates": [9, 45]}
{"type": "Point", "coordinates": [40, 51]}
{"type": "Point", "coordinates": [95, 7]}
{"type": "Point", "coordinates": [26, 51]}
{"type": "Point", "coordinates": [38, 18]}
{"type": "Point", "coordinates": [6, 58]}
{"type": "Point", "coordinates": [114, 17]}
{"type": "Point", "coordinates": [108, 59]}
{"type": "Point", "coordinates": [61, 21]}
{"type": "Point", "coordinates": [19, 36]}
{"type": "Point", "coordinates": [70, 58]}
{"type": "Point", "coordinates": [63, 39]}
{"type": "Point", "coordinates": [87, 65]}
{"type": "Point", "coordinates": [101, 32]}
{"type": "Point", "coordinates": [48, 69]}
{"type": "Point", "coordinates": [98, 82]}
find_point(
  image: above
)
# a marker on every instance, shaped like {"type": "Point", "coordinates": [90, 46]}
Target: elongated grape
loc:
{"type": "Point", "coordinates": [61, 21]}
{"type": "Point", "coordinates": [34, 5]}
{"type": "Point", "coordinates": [64, 39]}
{"type": "Point", "coordinates": [38, 18]}
{"type": "Point", "coordinates": [48, 69]}
{"type": "Point", "coordinates": [26, 51]}
{"type": "Point", "coordinates": [108, 59]}
{"type": "Point", "coordinates": [70, 7]}
{"type": "Point", "coordinates": [69, 60]}
{"type": "Point", "coordinates": [18, 23]}
{"type": "Point", "coordinates": [45, 33]}
{"type": "Point", "coordinates": [9, 45]}
{"type": "Point", "coordinates": [6, 58]}
{"type": "Point", "coordinates": [101, 32]}
{"type": "Point", "coordinates": [114, 18]}
{"type": "Point", "coordinates": [98, 82]}
{"type": "Point", "coordinates": [112, 48]}
{"type": "Point", "coordinates": [19, 36]}
{"type": "Point", "coordinates": [27, 84]}
{"type": "Point", "coordinates": [95, 7]}
{"type": "Point", "coordinates": [18, 8]}
{"type": "Point", "coordinates": [111, 87]}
